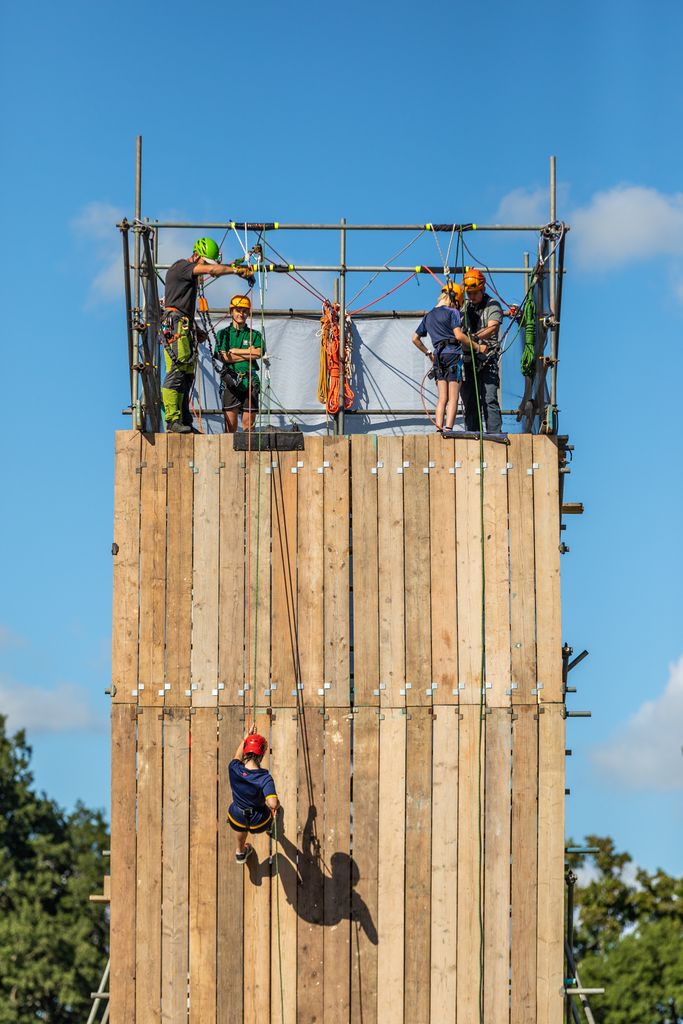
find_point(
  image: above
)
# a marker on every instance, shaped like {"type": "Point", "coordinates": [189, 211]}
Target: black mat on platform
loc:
{"type": "Point", "coordinates": [474, 435]}
{"type": "Point", "coordinates": [268, 441]}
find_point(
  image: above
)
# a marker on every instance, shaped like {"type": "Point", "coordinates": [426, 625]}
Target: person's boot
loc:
{"type": "Point", "coordinates": [177, 428]}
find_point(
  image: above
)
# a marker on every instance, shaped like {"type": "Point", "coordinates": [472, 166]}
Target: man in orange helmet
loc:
{"type": "Point", "coordinates": [482, 318]}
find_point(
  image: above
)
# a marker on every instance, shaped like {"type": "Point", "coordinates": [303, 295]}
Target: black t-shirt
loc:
{"type": "Point", "coordinates": [181, 287]}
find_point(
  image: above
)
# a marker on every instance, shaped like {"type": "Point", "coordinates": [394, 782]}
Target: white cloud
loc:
{"type": "Point", "coordinates": [530, 205]}
{"type": "Point", "coordinates": [646, 752]}
{"type": "Point", "coordinates": [627, 224]}
{"type": "Point", "coordinates": [95, 225]}
{"type": "Point", "coordinates": [39, 710]}
{"type": "Point", "coordinates": [523, 206]}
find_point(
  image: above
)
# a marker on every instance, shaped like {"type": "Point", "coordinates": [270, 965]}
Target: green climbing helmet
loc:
{"type": "Point", "coordinates": [207, 249]}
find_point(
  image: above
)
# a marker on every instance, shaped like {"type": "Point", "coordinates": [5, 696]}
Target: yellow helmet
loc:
{"type": "Point", "coordinates": [454, 292]}
{"type": "Point", "coordinates": [473, 280]}
{"type": "Point", "coordinates": [240, 302]}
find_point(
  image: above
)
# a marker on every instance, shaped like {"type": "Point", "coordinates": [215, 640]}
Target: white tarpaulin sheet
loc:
{"type": "Point", "coordinates": [388, 372]}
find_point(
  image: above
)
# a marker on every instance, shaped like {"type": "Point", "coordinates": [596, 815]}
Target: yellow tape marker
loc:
{"type": "Point", "coordinates": [428, 227]}
{"type": "Point", "coordinates": [418, 269]}
{"type": "Point", "coordinates": [474, 227]}
{"type": "Point", "coordinates": [292, 267]}
{"type": "Point", "coordinates": [276, 225]}
{"type": "Point", "coordinates": [233, 224]}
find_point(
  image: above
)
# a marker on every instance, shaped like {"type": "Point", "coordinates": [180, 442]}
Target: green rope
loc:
{"type": "Point", "coordinates": [482, 685]}
{"type": "Point", "coordinates": [277, 906]}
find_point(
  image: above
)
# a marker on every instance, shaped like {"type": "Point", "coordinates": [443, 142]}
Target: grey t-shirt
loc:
{"type": "Point", "coordinates": [181, 287]}
{"type": "Point", "coordinates": [480, 315]}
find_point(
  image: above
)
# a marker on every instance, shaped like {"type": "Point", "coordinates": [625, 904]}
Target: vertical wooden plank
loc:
{"type": "Point", "coordinates": [204, 659]}
{"type": "Point", "coordinates": [470, 866]}
{"type": "Point", "coordinates": [203, 864]}
{"type": "Point", "coordinates": [258, 573]}
{"type": "Point", "coordinates": [257, 934]}
{"type": "Point", "coordinates": [524, 864]}
{"type": "Point", "coordinates": [418, 864]}
{"type": "Point", "coordinates": [231, 574]}
{"type": "Point", "coordinates": [176, 857]}
{"type": "Point", "coordinates": [337, 858]}
{"type": "Point", "coordinates": [443, 590]}
{"type": "Point", "coordinates": [124, 637]}
{"type": "Point", "coordinates": [497, 869]}
{"type": "Point", "coordinates": [284, 620]}
{"type": "Point", "coordinates": [391, 579]}
{"type": "Point", "coordinates": [549, 967]}
{"type": "Point", "coordinates": [122, 923]}
{"type": "Point", "coordinates": [365, 569]}
{"type": "Point", "coordinates": [180, 487]}
{"type": "Point", "coordinates": [468, 557]}
{"type": "Point", "coordinates": [391, 877]}
{"type": "Point", "coordinates": [547, 550]}
{"type": "Point", "coordinates": [283, 946]}
{"type": "Point", "coordinates": [364, 866]}
{"type": "Point", "coordinates": [444, 918]}
{"type": "Point", "coordinates": [310, 815]}
{"type": "Point", "coordinates": [230, 903]}
{"type": "Point", "coordinates": [310, 573]}
{"type": "Point", "coordinates": [148, 920]}
{"type": "Point", "coordinates": [496, 562]}
{"type": "Point", "coordinates": [337, 575]}
{"type": "Point", "coordinates": [522, 604]}
{"type": "Point", "coordinates": [417, 570]}
{"type": "Point", "coordinates": [152, 571]}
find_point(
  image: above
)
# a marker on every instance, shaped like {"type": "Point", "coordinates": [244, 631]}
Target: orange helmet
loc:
{"type": "Point", "coordinates": [455, 292]}
{"type": "Point", "coordinates": [240, 302]}
{"type": "Point", "coordinates": [473, 280]}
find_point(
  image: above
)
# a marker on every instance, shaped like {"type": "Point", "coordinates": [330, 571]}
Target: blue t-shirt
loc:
{"type": "Point", "coordinates": [250, 788]}
{"type": "Point", "coordinates": [439, 323]}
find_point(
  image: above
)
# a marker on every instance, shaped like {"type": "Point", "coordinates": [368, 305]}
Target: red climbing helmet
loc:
{"type": "Point", "coordinates": [255, 744]}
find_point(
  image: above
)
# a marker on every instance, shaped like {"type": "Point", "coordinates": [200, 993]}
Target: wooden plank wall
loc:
{"type": "Point", "coordinates": [338, 594]}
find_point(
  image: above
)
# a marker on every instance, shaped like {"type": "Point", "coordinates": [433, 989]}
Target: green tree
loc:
{"type": "Point", "coordinates": [53, 941]}
{"type": "Point", "coordinates": [629, 939]}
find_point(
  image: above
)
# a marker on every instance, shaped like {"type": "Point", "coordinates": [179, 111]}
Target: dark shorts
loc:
{"type": "Point", "coordinates": [258, 821]}
{"type": "Point", "coordinates": [236, 396]}
{"type": "Point", "coordinates": [448, 366]}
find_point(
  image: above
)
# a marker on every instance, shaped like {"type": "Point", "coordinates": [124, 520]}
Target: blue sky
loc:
{"type": "Point", "coordinates": [376, 112]}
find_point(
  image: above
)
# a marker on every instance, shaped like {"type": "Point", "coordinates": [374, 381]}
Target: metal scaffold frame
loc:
{"type": "Point", "coordinates": [538, 409]}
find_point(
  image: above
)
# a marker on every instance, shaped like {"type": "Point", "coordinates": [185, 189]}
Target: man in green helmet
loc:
{"type": "Point", "coordinates": [179, 335]}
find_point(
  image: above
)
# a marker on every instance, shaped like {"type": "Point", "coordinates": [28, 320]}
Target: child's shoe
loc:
{"type": "Point", "coordinates": [242, 858]}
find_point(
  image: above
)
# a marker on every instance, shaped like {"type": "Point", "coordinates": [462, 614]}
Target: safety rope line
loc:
{"type": "Point", "coordinates": [354, 312]}
{"type": "Point", "coordinates": [386, 265]}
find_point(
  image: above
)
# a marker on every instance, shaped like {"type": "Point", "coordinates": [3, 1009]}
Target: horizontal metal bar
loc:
{"type": "Point", "coordinates": [582, 849]}
{"type": "Point", "coordinates": [310, 314]}
{"type": "Point", "coordinates": [584, 991]}
{"type": "Point", "coordinates": [336, 269]}
{"type": "Point", "coordinates": [348, 412]}
{"type": "Point", "coordinates": [257, 225]}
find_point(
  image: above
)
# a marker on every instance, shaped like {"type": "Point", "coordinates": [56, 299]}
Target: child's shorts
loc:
{"type": "Point", "coordinates": [448, 366]}
{"type": "Point", "coordinates": [258, 820]}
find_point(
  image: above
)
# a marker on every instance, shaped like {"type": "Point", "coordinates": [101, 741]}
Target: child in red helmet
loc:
{"type": "Point", "coordinates": [254, 799]}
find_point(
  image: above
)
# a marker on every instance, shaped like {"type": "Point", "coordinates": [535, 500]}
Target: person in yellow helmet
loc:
{"type": "Point", "coordinates": [443, 325]}
{"type": "Point", "coordinates": [179, 335]}
{"type": "Point", "coordinates": [239, 347]}
{"type": "Point", "coordinates": [482, 317]}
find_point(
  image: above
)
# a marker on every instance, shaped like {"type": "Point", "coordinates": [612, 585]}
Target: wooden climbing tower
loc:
{"type": "Point", "coordinates": [340, 589]}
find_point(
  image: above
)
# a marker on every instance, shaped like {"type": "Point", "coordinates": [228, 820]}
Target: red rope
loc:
{"type": "Point", "coordinates": [353, 312]}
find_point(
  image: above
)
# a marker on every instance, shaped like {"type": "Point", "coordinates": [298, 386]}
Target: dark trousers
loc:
{"type": "Point", "coordinates": [488, 382]}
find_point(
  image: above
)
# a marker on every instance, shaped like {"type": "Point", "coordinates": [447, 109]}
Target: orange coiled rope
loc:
{"type": "Point", "coordinates": [328, 379]}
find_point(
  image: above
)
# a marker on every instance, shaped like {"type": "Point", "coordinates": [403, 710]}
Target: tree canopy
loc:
{"type": "Point", "coordinates": [53, 941]}
{"type": "Point", "coordinates": [629, 938]}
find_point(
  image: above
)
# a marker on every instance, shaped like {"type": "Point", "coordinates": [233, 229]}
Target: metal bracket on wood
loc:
{"type": "Point", "coordinates": [139, 469]}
